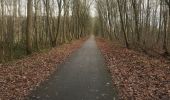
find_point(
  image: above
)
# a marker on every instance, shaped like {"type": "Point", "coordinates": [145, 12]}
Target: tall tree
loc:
{"type": "Point", "coordinates": [29, 27]}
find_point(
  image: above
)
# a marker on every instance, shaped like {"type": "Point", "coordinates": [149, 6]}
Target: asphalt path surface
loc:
{"type": "Point", "coordinates": [83, 76]}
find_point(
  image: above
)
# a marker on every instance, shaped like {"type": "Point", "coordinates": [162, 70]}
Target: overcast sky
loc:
{"type": "Point", "coordinates": [93, 11]}
{"type": "Point", "coordinates": [92, 7]}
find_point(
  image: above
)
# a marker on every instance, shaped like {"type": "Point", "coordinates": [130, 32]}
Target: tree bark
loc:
{"type": "Point", "coordinates": [29, 28]}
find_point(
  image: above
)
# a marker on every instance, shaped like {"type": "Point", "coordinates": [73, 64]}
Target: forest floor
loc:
{"type": "Point", "coordinates": [19, 77]}
{"type": "Point", "coordinates": [136, 75]}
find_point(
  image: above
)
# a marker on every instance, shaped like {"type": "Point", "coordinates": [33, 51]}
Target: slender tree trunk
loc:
{"type": "Point", "coordinates": [122, 24]}
{"type": "Point", "coordinates": [29, 28]}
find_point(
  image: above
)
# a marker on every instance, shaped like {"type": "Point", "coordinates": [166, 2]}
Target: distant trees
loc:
{"type": "Point", "coordinates": [143, 24]}
{"type": "Point", "coordinates": [32, 25]}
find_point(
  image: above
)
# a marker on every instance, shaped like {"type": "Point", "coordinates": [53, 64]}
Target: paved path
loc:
{"type": "Point", "coordinates": [82, 77]}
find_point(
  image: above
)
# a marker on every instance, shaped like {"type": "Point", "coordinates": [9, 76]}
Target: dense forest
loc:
{"type": "Point", "coordinates": [84, 49]}
{"type": "Point", "coordinates": [139, 24]}
{"type": "Point", "coordinates": [27, 26]}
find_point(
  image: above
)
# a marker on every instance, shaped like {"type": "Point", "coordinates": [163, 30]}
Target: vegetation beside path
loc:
{"type": "Point", "coordinates": [136, 75]}
{"type": "Point", "coordinates": [20, 77]}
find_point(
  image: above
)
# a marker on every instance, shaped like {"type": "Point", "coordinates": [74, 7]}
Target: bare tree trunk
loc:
{"type": "Point", "coordinates": [122, 24]}
{"type": "Point", "coordinates": [29, 27]}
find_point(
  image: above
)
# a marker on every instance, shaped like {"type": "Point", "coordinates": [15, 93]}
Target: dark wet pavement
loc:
{"type": "Point", "coordinates": [83, 76]}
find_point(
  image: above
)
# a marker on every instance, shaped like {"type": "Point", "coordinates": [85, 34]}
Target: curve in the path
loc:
{"type": "Point", "coordinates": [82, 77]}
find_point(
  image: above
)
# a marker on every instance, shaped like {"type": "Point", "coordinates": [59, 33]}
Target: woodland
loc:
{"type": "Point", "coordinates": [40, 24]}
{"type": "Point", "coordinates": [138, 24]}
{"type": "Point", "coordinates": [132, 35]}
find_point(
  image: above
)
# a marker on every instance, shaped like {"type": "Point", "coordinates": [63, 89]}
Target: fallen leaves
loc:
{"type": "Point", "coordinates": [18, 78]}
{"type": "Point", "coordinates": [136, 75]}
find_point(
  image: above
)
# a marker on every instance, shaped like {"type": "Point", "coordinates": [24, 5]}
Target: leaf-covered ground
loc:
{"type": "Point", "coordinates": [18, 78]}
{"type": "Point", "coordinates": [136, 75]}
